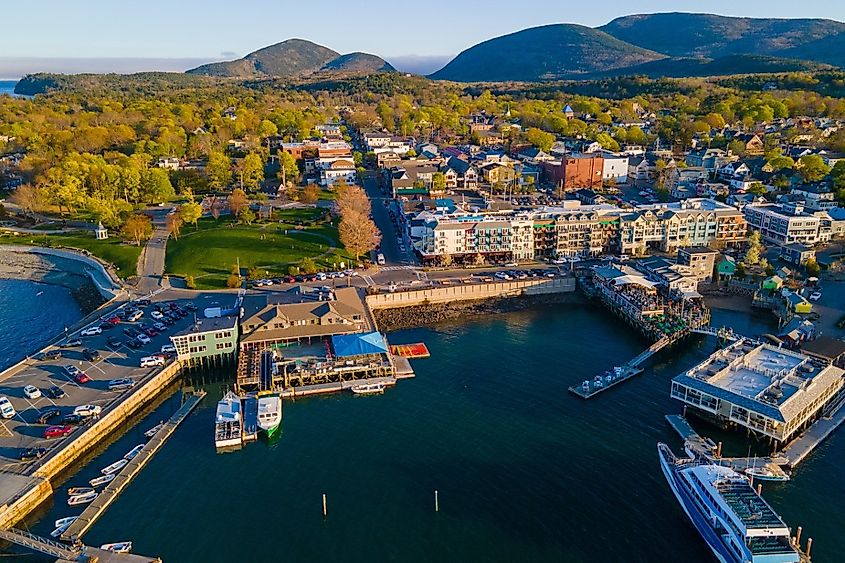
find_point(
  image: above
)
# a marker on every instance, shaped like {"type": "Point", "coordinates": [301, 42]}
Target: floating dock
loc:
{"type": "Point", "coordinates": [96, 509]}
{"type": "Point", "coordinates": [799, 448]}
{"type": "Point", "coordinates": [599, 383]}
{"type": "Point", "coordinates": [250, 425]}
{"type": "Point", "coordinates": [321, 388]}
{"type": "Point", "coordinates": [410, 351]}
{"type": "Point", "coordinates": [68, 553]}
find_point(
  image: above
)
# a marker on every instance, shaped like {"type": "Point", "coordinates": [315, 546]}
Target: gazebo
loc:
{"type": "Point", "coordinates": [101, 233]}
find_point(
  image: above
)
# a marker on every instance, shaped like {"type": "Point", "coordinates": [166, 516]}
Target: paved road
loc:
{"type": "Point", "coordinates": [151, 262]}
{"type": "Point", "coordinates": [390, 234]}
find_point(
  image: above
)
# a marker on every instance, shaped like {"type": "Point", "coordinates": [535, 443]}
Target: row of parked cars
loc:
{"type": "Point", "coordinates": [525, 274]}
{"type": "Point", "coordinates": [321, 276]}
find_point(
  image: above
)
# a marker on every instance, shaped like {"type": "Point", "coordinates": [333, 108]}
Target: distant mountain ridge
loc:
{"type": "Point", "coordinates": [294, 58]}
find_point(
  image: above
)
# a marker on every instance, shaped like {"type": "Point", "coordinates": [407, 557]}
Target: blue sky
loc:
{"type": "Point", "coordinates": [205, 30]}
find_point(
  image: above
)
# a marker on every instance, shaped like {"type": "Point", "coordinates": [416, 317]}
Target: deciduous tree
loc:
{"type": "Point", "coordinates": [174, 224]}
{"type": "Point", "coordinates": [218, 169]}
{"type": "Point", "coordinates": [237, 202]}
{"type": "Point", "coordinates": [190, 212]}
{"type": "Point", "coordinates": [138, 227]}
{"type": "Point", "coordinates": [358, 233]}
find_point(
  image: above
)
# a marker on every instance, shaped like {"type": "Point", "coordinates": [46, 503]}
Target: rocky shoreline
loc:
{"type": "Point", "coordinates": [423, 315]}
{"type": "Point", "coordinates": [38, 268]}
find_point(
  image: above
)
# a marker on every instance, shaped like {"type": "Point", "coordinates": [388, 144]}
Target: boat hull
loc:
{"type": "Point", "coordinates": [707, 533]}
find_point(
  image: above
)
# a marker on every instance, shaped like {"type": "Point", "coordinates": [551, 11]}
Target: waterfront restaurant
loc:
{"type": "Point", "coordinates": [207, 339]}
{"type": "Point", "coordinates": [771, 391]}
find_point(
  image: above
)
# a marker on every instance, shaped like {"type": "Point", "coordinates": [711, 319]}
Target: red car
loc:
{"type": "Point", "coordinates": [58, 431]}
{"type": "Point", "coordinates": [114, 320]}
{"type": "Point", "coordinates": [81, 377]}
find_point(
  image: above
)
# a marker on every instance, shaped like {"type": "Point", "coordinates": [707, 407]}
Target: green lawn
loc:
{"type": "Point", "coordinates": [123, 256]}
{"type": "Point", "coordinates": [209, 253]}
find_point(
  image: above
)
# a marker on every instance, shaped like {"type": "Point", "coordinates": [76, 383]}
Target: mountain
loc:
{"type": "Point", "coordinates": [295, 58]}
{"type": "Point", "coordinates": [680, 67]}
{"type": "Point", "coordinates": [358, 63]}
{"type": "Point", "coordinates": [290, 58]}
{"type": "Point", "coordinates": [707, 35]}
{"type": "Point", "coordinates": [544, 53]}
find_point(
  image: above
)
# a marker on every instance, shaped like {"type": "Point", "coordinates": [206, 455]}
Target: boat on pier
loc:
{"type": "Point", "coordinates": [73, 491]}
{"type": "Point", "coordinates": [133, 452]}
{"type": "Point", "coordinates": [368, 389]}
{"type": "Point", "coordinates": [228, 423]}
{"type": "Point", "coordinates": [117, 547]}
{"type": "Point", "coordinates": [269, 413]}
{"type": "Point", "coordinates": [732, 518]}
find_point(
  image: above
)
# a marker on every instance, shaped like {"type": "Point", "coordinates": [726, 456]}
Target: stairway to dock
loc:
{"type": "Point", "coordinates": [63, 552]}
{"type": "Point", "coordinates": [96, 509]}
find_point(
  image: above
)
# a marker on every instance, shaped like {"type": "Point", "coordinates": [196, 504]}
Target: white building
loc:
{"type": "Point", "coordinates": [615, 167]}
{"type": "Point", "coordinates": [785, 224]}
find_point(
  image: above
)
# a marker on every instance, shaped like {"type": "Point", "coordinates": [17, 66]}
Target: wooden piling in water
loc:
{"type": "Point", "coordinates": [436, 501]}
{"type": "Point", "coordinates": [325, 511]}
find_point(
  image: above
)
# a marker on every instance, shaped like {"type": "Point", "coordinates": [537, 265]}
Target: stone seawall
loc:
{"type": "Point", "coordinates": [88, 280]}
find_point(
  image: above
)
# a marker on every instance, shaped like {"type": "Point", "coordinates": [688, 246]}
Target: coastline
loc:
{"type": "Point", "coordinates": [52, 270]}
{"type": "Point", "coordinates": [432, 313]}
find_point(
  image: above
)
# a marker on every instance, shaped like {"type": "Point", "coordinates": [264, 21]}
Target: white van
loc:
{"type": "Point", "coordinates": [6, 408]}
{"type": "Point", "coordinates": [152, 361]}
{"type": "Point", "coordinates": [380, 259]}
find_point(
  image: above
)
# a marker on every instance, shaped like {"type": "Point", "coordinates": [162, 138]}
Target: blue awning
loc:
{"type": "Point", "coordinates": [345, 345]}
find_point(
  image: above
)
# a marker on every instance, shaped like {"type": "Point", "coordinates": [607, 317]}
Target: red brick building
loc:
{"type": "Point", "coordinates": [573, 172]}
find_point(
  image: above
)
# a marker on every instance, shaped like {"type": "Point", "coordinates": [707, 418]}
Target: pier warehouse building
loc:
{"type": "Point", "coordinates": [770, 391]}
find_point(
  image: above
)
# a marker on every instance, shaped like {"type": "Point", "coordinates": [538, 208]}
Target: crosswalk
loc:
{"type": "Point", "coordinates": [397, 268]}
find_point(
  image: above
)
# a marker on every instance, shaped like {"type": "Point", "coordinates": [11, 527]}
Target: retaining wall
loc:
{"type": "Point", "coordinates": [470, 292]}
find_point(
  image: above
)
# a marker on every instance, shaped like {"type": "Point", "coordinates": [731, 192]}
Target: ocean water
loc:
{"type": "Point", "coordinates": [29, 320]}
{"type": "Point", "coordinates": [525, 470]}
{"type": "Point", "coordinates": [7, 87]}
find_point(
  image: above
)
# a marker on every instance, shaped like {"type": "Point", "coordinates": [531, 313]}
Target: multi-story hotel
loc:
{"type": "Point", "coordinates": [785, 224]}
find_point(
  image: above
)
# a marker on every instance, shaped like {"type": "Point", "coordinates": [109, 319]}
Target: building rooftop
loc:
{"type": "Point", "coordinates": [209, 325]}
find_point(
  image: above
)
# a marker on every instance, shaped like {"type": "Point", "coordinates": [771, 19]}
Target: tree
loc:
{"type": "Point", "coordinates": [138, 227]}
{"type": "Point", "coordinates": [28, 198]}
{"type": "Point", "coordinates": [310, 194]}
{"type": "Point", "coordinates": [812, 168]}
{"type": "Point", "coordinates": [233, 281]}
{"type": "Point", "coordinates": [174, 224]}
{"type": "Point", "coordinates": [250, 170]}
{"type": "Point", "coordinates": [438, 182]}
{"type": "Point", "coordinates": [247, 216]}
{"type": "Point", "coordinates": [190, 212]}
{"type": "Point", "coordinates": [190, 283]}
{"type": "Point", "coordinates": [308, 266]}
{"type": "Point", "coordinates": [607, 142]}
{"type": "Point", "coordinates": [757, 188]}
{"type": "Point", "coordinates": [752, 255]}
{"type": "Point", "coordinates": [812, 267]}
{"type": "Point", "coordinates": [237, 202]}
{"type": "Point", "coordinates": [781, 163]}
{"type": "Point", "coordinates": [156, 186]}
{"type": "Point", "coordinates": [352, 199]}
{"type": "Point", "coordinates": [287, 168]}
{"type": "Point", "coordinates": [540, 139]}
{"type": "Point", "coordinates": [218, 169]}
{"type": "Point", "coordinates": [358, 233]}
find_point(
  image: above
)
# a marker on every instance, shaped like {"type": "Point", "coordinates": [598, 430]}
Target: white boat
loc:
{"type": "Point", "coordinates": [228, 423]}
{"type": "Point", "coordinates": [81, 499]}
{"type": "Point", "coordinates": [368, 388]}
{"type": "Point", "coordinates": [73, 491]}
{"type": "Point", "coordinates": [269, 413]}
{"type": "Point", "coordinates": [767, 473]}
{"type": "Point", "coordinates": [130, 455]}
{"type": "Point", "coordinates": [152, 431]}
{"type": "Point", "coordinates": [114, 467]}
{"type": "Point", "coordinates": [65, 522]}
{"type": "Point", "coordinates": [735, 522]}
{"type": "Point", "coordinates": [97, 481]}
{"type": "Point", "coordinates": [118, 547]}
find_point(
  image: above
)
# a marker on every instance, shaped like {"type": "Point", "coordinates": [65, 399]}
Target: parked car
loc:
{"type": "Point", "coordinates": [161, 327]}
{"type": "Point", "coordinates": [51, 355]}
{"type": "Point", "coordinates": [134, 316]}
{"type": "Point", "coordinates": [58, 431]}
{"type": "Point", "coordinates": [91, 355]}
{"type": "Point", "coordinates": [191, 307]}
{"type": "Point", "coordinates": [32, 453]}
{"type": "Point", "coordinates": [71, 370]}
{"type": "Point", "coordinates": [6, 408]}
{"type": "Point", "coordinates": [143, 339]}
{"type": "Point", "coordinates": [45, 416]}
{"type": "Point", "coordinates": [91, 331]}
{"type": "Point", "coordinates": [150, 331]}
{"type": "Point", "coordinates": [88, 410]}
{"type": "Point", "coordinates": [73, 419]}
{"type": "Point", "coordinates": [131, 331]}
{"type": "Point", "coordinates": [81, 378]}
{"type": "Point", "coordinates": [72, 343]}
{"type": "Point", "coordinates": [133, 343]}
{"type": "Point", "coordinates": [32, 392]}
{"type": "Point", "coordinates": [143, 302]}
{"type": "Point", "coordinates": [121, 384]}
{"type": "Point", "coordinates": [168, 349]}
{"type": "Point", "coordinates": [152, 361]}
{"type": "Point", "coordinates": [55, 392]}
{"type": "Point", "coordinates": [156, 315]}
{"type": "Point", "coordinates": [815, 296]}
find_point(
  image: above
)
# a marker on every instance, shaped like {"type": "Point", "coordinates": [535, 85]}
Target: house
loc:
{"type": "Point", "coordinates": [711, 159]}
{"type": "Point", "coordinates": [614, 167]}
{"type": "Point", "coordinates": [376, 139]}
{"type": "Point", "coordinates": [797, 304]}
{"type": "Point", "coordinates": [533, 155]}
{"type": "Point", "coordinates": [497, 173]}
{"type": "Point", "coordinates": [785, 224]}
{"type": "Point", "coordinates": [460, 174]}
{"type": "Point", "coordinates": [752, 142]}
{"type": "Point", "coordinates": [330, 130]}
{"type": "Point", "coordinates": [336, 171]}
{"type": "Point", "coordinates": [638, 168]}
{"type": "Point", "coordinates": [726, 268]}
{"type": "Point", "coordinates": [168, 163]}
{"type": "Point", "coordinates": [688, 175]}
{"type": "Point", "coordinates": [796, 253]}
{"type": "Point", "coordinates": [700, 260]}
{"type": "Point", "coordinates": [815, 197]}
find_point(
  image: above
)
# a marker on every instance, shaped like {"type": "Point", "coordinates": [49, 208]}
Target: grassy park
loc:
{"type": "Point", "coordinates": [124, 256]}
{"type": "Point", "coordinates": [215, 247]}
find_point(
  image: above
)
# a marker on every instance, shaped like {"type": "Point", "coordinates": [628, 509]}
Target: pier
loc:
{"type": "Point", "coordinates": [592, 387]}
{"type": "Point", "coordinates": [802, 446]}
{"type": "Point", "coordinates": [96, 509]}
{"type": "Point", "coordinates": [321, 388]}
{"type": "Point", "coordinates": [62, 552]}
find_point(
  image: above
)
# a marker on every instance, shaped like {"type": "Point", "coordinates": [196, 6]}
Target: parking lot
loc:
{"type": "Point", "coordinates": [117, 360]}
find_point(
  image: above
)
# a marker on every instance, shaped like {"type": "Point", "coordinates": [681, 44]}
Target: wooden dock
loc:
{"type": "Point", "coordinates": [63, 552]}
{"type": "Point", "coordinates": [321, 388]}
{"type": "Point", "coordinates": [591, 389]}
{"type": "Point", "coordinates": [96, 509]}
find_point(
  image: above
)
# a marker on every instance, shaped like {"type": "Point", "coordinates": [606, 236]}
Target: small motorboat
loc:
{"type": "Point", "coordinates": [152, 431]}
{"type": "Point", "coordinates": [767, 473]}
{"type": "Point", "coordinates": [81, 499]}
{"type": "Point", "coordinates": [114, 467]}
{"type": "Point", "coordinates": [97, 481]}
{"type": "Point", "coordinates": [130, 455]}
{"type": "Point", "coordinates": [117, 547]}
{"type": "Point", "coordinates": [39, 294]}
{"type": "Point", "coordinates": [368, 388]}
{"type": "Point", "coordinates": [73, 491]}
{"type": "Point", "coordinates": [65, 522]}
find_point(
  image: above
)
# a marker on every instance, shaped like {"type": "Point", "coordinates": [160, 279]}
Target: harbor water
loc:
{"type": "Point", "coordinates": [524, 470]}
{"type": "Point", "coordinates": [7, 87]}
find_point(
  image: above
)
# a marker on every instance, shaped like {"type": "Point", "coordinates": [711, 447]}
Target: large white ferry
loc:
{"type": "Point", "coordinates": [737, 524]}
